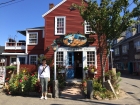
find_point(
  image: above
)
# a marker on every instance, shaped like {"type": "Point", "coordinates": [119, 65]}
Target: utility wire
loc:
{"type": "Point", "coordinates": [11, 3]}
{"type": "Point", "coordinates": [6, 2]}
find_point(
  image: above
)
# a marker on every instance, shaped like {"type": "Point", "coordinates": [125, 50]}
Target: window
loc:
{"type": "Point", "coordinates": [88, 29]}
{"type": "Point", "coordinates": [139, 28]}
{"type": "Point", "coordinates": [90, 58]}
{"type": "Point", "coordinates": [13, 59]}
{"type": "Point", "coordinates": [124, 49]}
{"type": "Point", "coordinates": [22, 60]}
{"type": "Point", "coordinates": [116, 51]}
{"type": "Point", "coordinates": [33, 38]}
{"type": "Point", "coordinates": [137, 43]}
{"type": "Point", "coordinates": [59, 58]}
{"type": "Point", "coordinates": [33, 59]}
{"type": "Point", "coordinates": [60, 25]}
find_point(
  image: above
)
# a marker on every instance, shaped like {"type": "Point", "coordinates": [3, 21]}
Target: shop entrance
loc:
{"type": "Point", "coordinates": [78, 65]}
{"type": "Point", "coordinates": [75, 65]}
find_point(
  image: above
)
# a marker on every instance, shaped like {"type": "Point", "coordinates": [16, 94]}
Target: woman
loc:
{"type": "Point", "coordinates": [44, 77]}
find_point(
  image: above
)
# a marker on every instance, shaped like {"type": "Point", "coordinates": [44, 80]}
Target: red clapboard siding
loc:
{"type": "Point", "coordinates": [73, 25]}
{"type": "Point", "coordinates": [39, 48]}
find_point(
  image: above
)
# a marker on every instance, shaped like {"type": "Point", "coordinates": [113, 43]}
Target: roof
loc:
{"type": "Point", "coordinates": [1, 49]}
{"type": "Point", "coordinates": [128, 39]}
{"type": "Point", "coordinates": [53, 8]}
{"type": "Point", "coordinates": [23, 32]}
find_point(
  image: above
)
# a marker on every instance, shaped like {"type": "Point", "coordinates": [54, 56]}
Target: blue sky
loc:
{"type": "Point", "coordinates": [21, 14]}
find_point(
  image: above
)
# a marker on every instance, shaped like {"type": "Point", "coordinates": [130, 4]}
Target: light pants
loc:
{"type": "Point", "coordinates": [44, 84]}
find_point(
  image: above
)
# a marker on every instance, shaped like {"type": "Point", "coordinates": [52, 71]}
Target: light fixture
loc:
{"type": "Point", "coordinates": [54, 46]}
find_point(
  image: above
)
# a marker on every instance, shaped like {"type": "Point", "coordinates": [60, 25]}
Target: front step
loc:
{"type": "Point", "coordinates": [73, 82]}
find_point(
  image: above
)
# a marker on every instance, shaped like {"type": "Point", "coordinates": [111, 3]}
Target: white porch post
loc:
{"type": "Point", "coordinates": [54, 65]}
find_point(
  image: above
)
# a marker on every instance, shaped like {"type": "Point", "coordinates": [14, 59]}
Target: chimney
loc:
{"type": "Point", "coordinates": [51, 5]}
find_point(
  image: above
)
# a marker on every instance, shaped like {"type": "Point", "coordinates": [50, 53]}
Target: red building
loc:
{"type": "Point", "coordinates": [77, 48]}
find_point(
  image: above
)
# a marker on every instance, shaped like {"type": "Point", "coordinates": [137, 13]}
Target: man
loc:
{"type": "Point", "coordinates": [44, 77]}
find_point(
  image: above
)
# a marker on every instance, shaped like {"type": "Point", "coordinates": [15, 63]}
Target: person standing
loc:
{"type": "Point", "coordinates": [44, 78]}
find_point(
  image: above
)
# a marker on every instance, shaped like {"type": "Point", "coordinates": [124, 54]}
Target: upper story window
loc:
{"type": "Point", "coordinates": [117, 51]}
{"type": "Point", "coordinates": [60, 25]}
{"type": "Point", "coordinates": [87, 28]}
{"type": "Point", "coordinates": [33, 59]}
{"type": "Point", "coordinates": [33, 38]}
{"type": "Point", "coordinates": [124, 49]}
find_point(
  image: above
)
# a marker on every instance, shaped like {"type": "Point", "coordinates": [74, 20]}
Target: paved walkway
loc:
{"type": "Point", "coordinates": [129, 84]}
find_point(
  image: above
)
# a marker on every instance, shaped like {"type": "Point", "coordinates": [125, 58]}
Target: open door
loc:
{"type": "Point", "coordinates": [70, 69]}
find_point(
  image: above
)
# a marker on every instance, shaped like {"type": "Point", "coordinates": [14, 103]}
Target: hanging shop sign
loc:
{"type": "Point", "coordinates": [74, 40]}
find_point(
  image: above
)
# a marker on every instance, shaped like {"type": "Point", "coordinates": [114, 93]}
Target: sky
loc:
{"type": "Point", "coordinates": [20, 15]}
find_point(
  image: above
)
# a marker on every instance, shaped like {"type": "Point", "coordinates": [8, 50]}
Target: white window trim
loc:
{"type": "Point", "coordinates": [30, 58]}
{"type": "Point", "coordinates": [28, 38]}
{"type": "Point", "coordinates": [85, 28]}
{"type": "Point", "coordinates": [12, 57]}
{"type": "Point", "coordinates": [56, 25]}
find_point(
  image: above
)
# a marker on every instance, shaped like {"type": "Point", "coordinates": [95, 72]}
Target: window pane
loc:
{"type": "Point", "coordinates": [33, 59]}
{"type": "Point", "coordinates": [13, 60]}
{"type": "Point", "coordinates": [22, 60]}
{"type": "Point", "coordinates": [90, 58]}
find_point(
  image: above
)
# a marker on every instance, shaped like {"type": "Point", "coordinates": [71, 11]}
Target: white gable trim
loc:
{"type": "Point", "coordinates": [53, 8]}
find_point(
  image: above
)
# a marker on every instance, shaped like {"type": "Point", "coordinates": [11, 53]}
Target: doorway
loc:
{"type": "Point", "coordinates": [75, 65]}
{"type": "Point", "coordinates": [78, 65]}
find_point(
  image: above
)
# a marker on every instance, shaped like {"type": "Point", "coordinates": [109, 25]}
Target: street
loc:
{"type": "Point", "coordinates": [130, 84]}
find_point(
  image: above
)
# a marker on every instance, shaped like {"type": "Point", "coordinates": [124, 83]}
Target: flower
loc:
{"type": "Point", "coordinates": [20, 80]}
{"type": "Point", "coordinates": [91, 69]}
{"type": "Point", "coordinates": [60, 67]}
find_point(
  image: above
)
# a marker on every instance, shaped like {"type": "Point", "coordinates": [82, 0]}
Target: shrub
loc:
{"type": "Point", "coordinates": [11, 68]}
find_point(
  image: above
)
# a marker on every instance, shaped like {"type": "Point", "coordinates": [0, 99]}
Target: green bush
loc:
{"type": "Point", "coordinates": [11, 68]}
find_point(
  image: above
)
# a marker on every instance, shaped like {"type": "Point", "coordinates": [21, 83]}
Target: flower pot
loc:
{"type": "Point", "coordinates": [84, 84]}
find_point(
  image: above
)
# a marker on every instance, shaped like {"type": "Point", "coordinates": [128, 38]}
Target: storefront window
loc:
{"type": "Point", "coordinates": [90, 58]}
{"type": "Point", "coordinates": [59, 58]}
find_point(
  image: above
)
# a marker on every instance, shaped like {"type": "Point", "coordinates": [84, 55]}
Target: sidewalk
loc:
{"type": "Point", "coordinates": [131, 85]}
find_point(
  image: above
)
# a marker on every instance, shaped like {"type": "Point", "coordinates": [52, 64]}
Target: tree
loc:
{"type": "Point", "coordinates": [108, 19]}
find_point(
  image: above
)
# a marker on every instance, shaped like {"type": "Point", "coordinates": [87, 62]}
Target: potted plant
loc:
{"type": "Point", "coordinates": [92, 69]}
{"type": "Point", "coordinates": [86, 69]}
{"type": "Point", "coordinates": [84, 83]}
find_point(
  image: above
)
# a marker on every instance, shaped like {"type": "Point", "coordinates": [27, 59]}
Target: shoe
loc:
{"type": "Point", "coordinates": [45, 98]}
{"type": "Point", "coordinates": [41, 97]}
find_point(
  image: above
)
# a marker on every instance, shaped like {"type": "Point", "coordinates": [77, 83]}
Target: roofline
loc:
{"type": "Point", "coordinates": [53, 8]}
{"type": "Point", "coordinates": [35, 29]}
{"type": "Point", "coordinates": [14, 54]}
{"type": "Point", "coordinates": [121, 43]}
